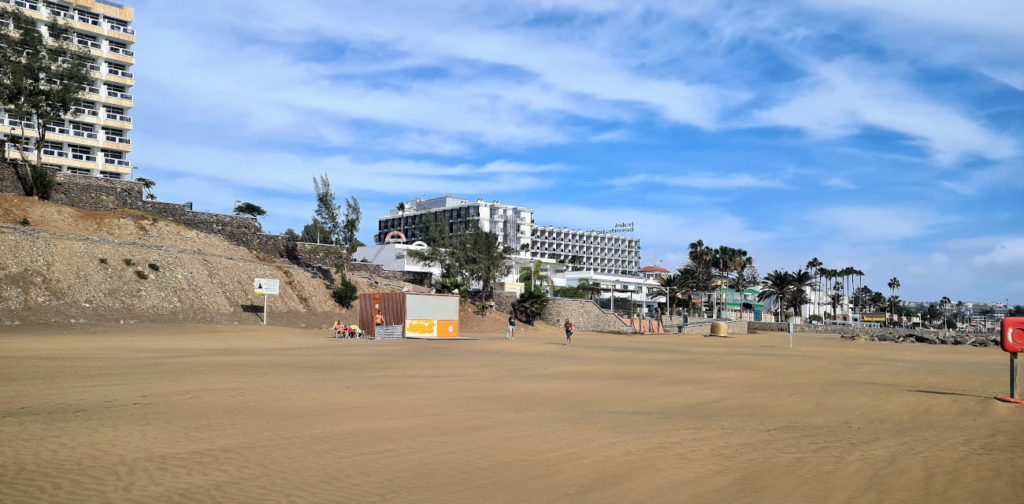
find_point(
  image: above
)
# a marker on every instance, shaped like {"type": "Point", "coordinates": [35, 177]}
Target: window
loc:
{"type": "Point", "coordinates": [110, 175]}
{"type": "Point", "coordinates": [78, 171]}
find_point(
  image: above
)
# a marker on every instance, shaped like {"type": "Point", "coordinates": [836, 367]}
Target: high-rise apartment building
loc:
{"type": "Point", "coordinates": [94, 139]}
{"type": "Point", "coordinates": [512, 224]}
{"type": "Point", "coordinates": [596, 251]}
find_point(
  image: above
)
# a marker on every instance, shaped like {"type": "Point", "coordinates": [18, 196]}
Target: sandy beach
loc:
{"type": "Point", "coordinates": [164, 413]}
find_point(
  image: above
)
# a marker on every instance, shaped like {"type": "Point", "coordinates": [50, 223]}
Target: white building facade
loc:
{"type": "Point", "coordinates": [93, 140]}
{"type": "Point", "coordinates": [512, 224]}
{"type": "Point", "coordinates": [595, 251]}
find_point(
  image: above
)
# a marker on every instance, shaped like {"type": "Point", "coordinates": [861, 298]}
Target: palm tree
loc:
{"type": "Point", "coordinates": [401, 222]}
{"type": "Point", "coordinates": [835, 298]}
{"type": "Point", "coordinates": [797, 297]}
{"type": "Point", "coordinates": [778, 284]}
{"type": "Point", "coordinates": [701, 257]}
{"type": "Point", "coordinates": [944, 304]}
{"type": "Point", "coordinates": [147, 185]}
{"type": "Point", "coordinates": [894, 283]}
{"type": "Point", "coordinates": [815, 265]}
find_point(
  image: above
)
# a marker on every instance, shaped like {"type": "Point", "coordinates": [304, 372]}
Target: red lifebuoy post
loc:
{"type": "Point", "coordinates": [1012, 341]}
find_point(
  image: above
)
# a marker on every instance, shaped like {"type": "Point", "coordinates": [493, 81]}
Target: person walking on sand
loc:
{"type": "Point", "coordinates": [568, 332]}
{"type": "Point", "coordinates": [510, 332]}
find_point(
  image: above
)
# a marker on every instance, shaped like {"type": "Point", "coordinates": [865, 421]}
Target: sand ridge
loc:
{"type": "Point", "coordinates": [253, 414]}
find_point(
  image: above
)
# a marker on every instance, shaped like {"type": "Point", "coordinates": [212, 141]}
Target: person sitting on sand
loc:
{"type": "Point", "coordinates": [569, 327]}
{"type": "Point", "coordinates": [338, 327]}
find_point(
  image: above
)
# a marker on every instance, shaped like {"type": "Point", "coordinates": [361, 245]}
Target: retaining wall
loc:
{"type": "Point", "coordinates": [836, 329]}
{"type": "Point", "coordinates": [103, 195]}
{"type": "Point", "coordinates": [585, 314]}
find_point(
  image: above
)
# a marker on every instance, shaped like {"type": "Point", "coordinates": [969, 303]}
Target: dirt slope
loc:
{"type": "Point", "coordinates": [53, 272]}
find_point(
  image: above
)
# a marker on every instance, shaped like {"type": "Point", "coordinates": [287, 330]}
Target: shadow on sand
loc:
{"type": "Point", "coordinates": [937, 392]}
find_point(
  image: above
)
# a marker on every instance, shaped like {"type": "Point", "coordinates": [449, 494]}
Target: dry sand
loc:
{"type": "Point", "coordinates": [255, 414]}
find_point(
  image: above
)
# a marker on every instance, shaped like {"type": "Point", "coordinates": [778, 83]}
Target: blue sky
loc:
{"type": "Point", "coordinates": [876, 134]}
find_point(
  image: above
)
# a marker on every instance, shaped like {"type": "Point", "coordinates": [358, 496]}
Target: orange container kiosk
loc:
{"type": "Point", "coordinates": [409, 315]}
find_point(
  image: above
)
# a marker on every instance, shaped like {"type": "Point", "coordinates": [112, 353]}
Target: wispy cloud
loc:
{"type": "Point", "coordinates": [702, 181]}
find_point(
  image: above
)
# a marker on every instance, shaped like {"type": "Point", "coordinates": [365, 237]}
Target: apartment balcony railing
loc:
{"type": "Point", "coordinates": [83, 157]}
{"type": "Point", "coordinates": [117, 139]}
{"type": "Point", "coordinates": [123, 73]}
{"type": "Point", "coordinates": [26, 5]}
{"type": "Point", "coordinates": [89, 43]}
{"type": "Point", "coordinates": [55, 153]}
{"type": "Point", "coordinates": [118, 117]}
{"type": "Point", "coordinates": [122, 29]}
{"type": "Point", "coordinates": [116, 94]}
{"type": "Point", "coordinates": [95, 68]}
{"type": "Point", "coordinates": [58, 130]}
{"type": "Point", "coordinates": [125, 52]}
{"type": "Point", "coordinates": [117, 162]}
{"type": "Point", "coordinates": [84, 134]}
{"type": "Point", "coordinates": [88, 20]}
{"type": "Point", "coordinates": [17, 123]}
{"type": "Point", "coordinates": [85, 111]}
{"type": "Point", "coordinates": [91, 90]}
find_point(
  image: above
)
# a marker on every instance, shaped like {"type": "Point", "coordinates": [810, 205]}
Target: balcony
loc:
{"type": "Point", "coordinates": [116, 162]}
{"type": "Point", "coordinates": [119, 95]}
{"type": "Point", "coordinates": [118, 117]}
{"type": "Point", "coordinates": [123, 52]}
{"type": "Point", "coordinates": [121, 29]}
{"type": "Point", "coordinates": [120, 73]}
{"type": "Point", "coordinates": [87, 20]}
{"type": "Point", "coordinates": [89, 158]}
{"type": "Point", "coordinates": [117, 139]}
{"type": "Point", "coordinates": [55, 153]}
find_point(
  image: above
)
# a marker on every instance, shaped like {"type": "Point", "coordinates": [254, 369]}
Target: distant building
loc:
{"type": "Point", "coordinates": [579, 250]}
{"type": "Point", "coordinates": [654, 272]}
{"type": "Point", "coordinates": [394, 257]}
{"type": "Point", "coordinates": [511, 224]}
{"type": "Point", "coordinates": [93, 140]}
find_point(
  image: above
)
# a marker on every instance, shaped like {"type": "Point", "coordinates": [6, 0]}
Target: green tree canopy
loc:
{"type": "Point", "coordinates": [250, 209]}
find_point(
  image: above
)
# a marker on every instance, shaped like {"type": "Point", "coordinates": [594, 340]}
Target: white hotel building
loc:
{"type": "Point", "coordinates": [94, 140]}
{"type": "Point", "coordinates": [514, 226]}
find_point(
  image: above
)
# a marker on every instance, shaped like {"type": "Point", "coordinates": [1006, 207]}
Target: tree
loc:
{"type": "Point", "coordinates": [147, 186]}
{"type": "Point", "coordinates": [345, 293]}
{"type": "Point", "coordinates": [474, 256]}
{"type": "Point", "coordinates": [944, 305]}
{"type": "Point", "coordinates": [291, 235]}
{"type": "Point", "coordinates": [894, 283]}
{"type": "Point", "coordinates": [401, 218]}
{"type": "Point", "coordinates": [250, 209]}
{"type": "Point", "coordinates": [1017, 311]}
{"type": "Point", "coordinates": [797, 295]}
{"type": "Point", "coordinates": [353, 215]}
{"type": "Point", "coordinates": [530, 305]}
{"type": "Point", "coordinates": [777, 286]}
{"type": "Point", "coordinates": [315, 232]}
{"type": "Point", "coordinates": [327, 210]}
{"type": "Point", "coordinates": [41, 81]}
{"type": "Point", "coordinates": [815, 265]}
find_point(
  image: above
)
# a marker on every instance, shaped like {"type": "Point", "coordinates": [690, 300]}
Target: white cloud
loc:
{"type": "Point", "coordinates": [874, 224]}
{"type": "Point", "coordinates": [840, 183]}
{"type": "Point", "coordinates": [702, 181]}
{"type": "Point", "coordinates": [842, 98]}
{"type": "Point", "coordinates": [1008, 253]}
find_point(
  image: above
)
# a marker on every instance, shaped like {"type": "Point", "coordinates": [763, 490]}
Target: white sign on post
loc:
{"type": "Point", "coordinates": [266, 286]}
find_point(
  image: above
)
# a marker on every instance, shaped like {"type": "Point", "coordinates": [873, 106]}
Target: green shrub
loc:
{"type": "Point", "coordinates": [103, 260]}
{"type": "Point", "coordinates": [42, 182]}
{"type": "Point", "coordinates": [345, 293]}
{"type": "Point", "coordinates": [569, 292]}
{"type": "Point", "coordinates": [141, 274]}
{"type": "Point", "coordinates": [128, 262]}
{"type": "Point", "coordinates": [816, 318]}
{"type": "Point", "coordinates": [24, 221]}
{"type": "Point", "coordinates": [530, 305]}
{"type": "Point", "coordinates": [154, 267]}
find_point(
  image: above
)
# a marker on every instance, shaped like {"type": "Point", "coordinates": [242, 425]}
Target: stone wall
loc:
{"type": "Point", "coordinates": [835, 329]}
{"type": "Point", "coordinates": [420, 278]}
{"type": "Point", "coordinates": [101, 195]}
{"type": "Point", "coordinates": [503, 301]}
{"type": "Point", "coordinates": [79, 191]}
{"type": "Point", "coordinates": [585, 314]}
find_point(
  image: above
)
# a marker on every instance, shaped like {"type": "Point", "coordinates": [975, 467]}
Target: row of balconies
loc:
{"type": "Point", "coordinates": [56, 156]}
{"type": "Point", "coordinates": [92, 21]}
{"type": "Point", "coordinates": [106, 137]}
